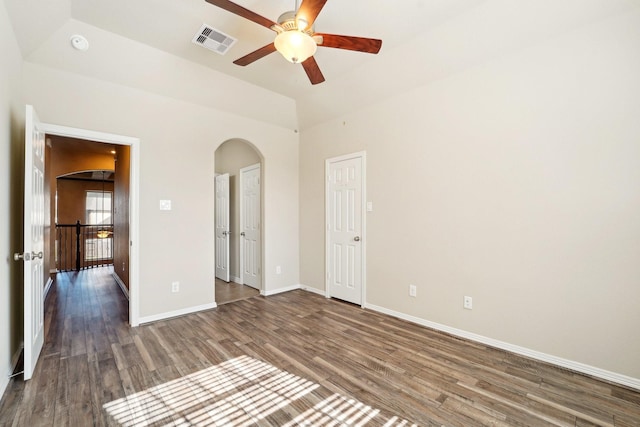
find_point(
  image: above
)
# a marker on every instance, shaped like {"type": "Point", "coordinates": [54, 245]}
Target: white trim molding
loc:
{"type": "Point", "coordinates": [279, 290]}
{"type": "Point", "coordinates": [16, 357]}
{"type": "Point", "coordinates": [543, 357]}
{"type": "Point", "coordinates": [4, 381]}
{"type": "Point", "coordinates": [120, 283]}
{"type": "Point", "coordinates": [176, 313]}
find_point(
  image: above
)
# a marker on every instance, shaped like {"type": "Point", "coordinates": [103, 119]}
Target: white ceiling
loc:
{"type": "Point", "coordinates": [423, 40]}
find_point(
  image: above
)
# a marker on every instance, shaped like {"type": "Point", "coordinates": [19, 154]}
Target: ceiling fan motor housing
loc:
{"type": "Point", "coordinates": [287, 21]}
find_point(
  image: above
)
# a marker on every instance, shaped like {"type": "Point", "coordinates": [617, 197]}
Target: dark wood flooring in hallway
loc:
{"type": "Point", "coordinates": [227, 292]}
{"type": "Point", "coordinates": [289, 359]}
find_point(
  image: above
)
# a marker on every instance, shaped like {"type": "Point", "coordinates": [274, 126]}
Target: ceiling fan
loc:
{"type": "Point", "coordinates": [296, 38]}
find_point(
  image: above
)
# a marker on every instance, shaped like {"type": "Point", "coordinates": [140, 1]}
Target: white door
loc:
{"type": "Point", "coordinates": [33, 242]}
{"type": "Point", "coordinates": [250, 259]}
{"type": "Point", "coordinates": [344, 218]}
{"type": "Point", "coordinates": [222, 227]}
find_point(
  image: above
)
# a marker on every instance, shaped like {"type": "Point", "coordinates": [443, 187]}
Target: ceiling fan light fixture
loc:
{"type": "Point", "coordinates": [295, 45]}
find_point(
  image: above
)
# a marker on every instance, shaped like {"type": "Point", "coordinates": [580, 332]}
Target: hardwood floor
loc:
{"type": "Point", "coordinates": [290, 359]}
{"type": "Point", "coordinates": [231, 292]}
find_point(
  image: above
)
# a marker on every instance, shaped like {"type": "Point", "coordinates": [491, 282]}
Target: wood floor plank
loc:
{"type": "Point", "coordinates": [227, 292]}
{"type": "Point", "coordinates": [73, 403]}
{"type": "Point", "coordinates": [289, 359]}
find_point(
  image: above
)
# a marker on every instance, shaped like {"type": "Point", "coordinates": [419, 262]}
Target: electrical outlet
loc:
{"type": "Point", "coordinates": [468, 303]}
{"type": "Point", "coordinates": [175, 287]}
{"type": "Point", "coordinates": [278, 269]}
{"type": "Point", "coordinates": [413, 291]}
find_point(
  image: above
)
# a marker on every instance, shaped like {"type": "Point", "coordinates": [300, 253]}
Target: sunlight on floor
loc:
{"type": "Point", "coordinates": [241, 392]}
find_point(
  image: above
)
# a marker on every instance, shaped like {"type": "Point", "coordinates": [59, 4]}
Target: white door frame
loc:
{"type": "Point", "coordinates": [363, 156]}
{"type": "Point", "coordinates": [134, 194]}
{"type": "Point", "coordinates": [241, 263]}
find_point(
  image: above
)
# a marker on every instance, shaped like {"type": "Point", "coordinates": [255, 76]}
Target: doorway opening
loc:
{"type": "Point", "coordinates": [125, 163]}
{"type": "Point", "coordinates": [89, 206]}
{"type": "Point", "coordinates": [238, 221]}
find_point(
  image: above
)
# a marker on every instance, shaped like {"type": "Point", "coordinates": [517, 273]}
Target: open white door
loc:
{"type": "Point", "coordinates": [222, 227]}
{"type": "Point", "coordinates": [33, 242]}
{"type": "Point", "coordinates": [345, 226]}
{"type": "Point", "coordinates": [250, 253]}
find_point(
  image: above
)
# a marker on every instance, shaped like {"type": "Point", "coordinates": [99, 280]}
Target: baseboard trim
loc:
{"type": "Point", "coordinates": [533, 354]}
{"type": "Point", "coordinates": [4, 381]}
{"type": "Point", "coordinates": [120, 283]}
{"type": "Point", "coordinates": [16, 357]}
{"type": "Point", "coordinates": [313, 290]}
{"type": "Point", "coordinates": [47, 287]}
{"type": "Point", "coordinates": [279, 290]}
{"type": "Point", "coordinates": [176, 313]}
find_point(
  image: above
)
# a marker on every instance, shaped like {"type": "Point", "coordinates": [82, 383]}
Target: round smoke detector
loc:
{"type": "Point", "coordinates": [79, 42]}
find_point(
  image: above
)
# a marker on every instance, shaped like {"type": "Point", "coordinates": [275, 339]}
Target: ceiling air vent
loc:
{"type": "Point", "coordinates": [213, 39]}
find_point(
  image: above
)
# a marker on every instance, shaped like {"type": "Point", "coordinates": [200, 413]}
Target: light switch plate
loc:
{"type": "Point", "coordinates": [165, 205]}
{"type": "Point", "coordinates": [369, 206]}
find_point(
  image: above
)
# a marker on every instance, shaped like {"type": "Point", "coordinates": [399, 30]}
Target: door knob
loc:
{"type": "Point", "coordinates": [242, 234]}
{"type": "Point", "coordinates": [357, 238]}
{"type": "Point", "coordinates": [27, 256]}
{"type": "Point", "coordinates": [224, 233]}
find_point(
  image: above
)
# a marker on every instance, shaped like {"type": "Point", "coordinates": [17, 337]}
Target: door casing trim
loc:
{"type": "Point", "coordinates": [134, 203]}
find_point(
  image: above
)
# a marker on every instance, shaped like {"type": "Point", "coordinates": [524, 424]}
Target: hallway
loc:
{"type": "Point", "coordinates": [86, 320]}
{"type": "Point", "coordinates": [231, 292]}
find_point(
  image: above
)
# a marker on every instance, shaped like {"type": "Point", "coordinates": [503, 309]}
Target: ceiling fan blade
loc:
{"type": "Point", "coordinates": [360, 44]}
{"type": "Point", "coordinates": [309, 10]}
{"type": "Point", "coordinates": [255, 55]}
{"type": "Point", "coordinates": [313, 71]}
{"type": "Point", "coordinates": [241, 11]}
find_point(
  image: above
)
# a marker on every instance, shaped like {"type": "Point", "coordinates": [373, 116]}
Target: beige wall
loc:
{"type": "Point", "coordinates": [516, 183]}
{"type": "Point", "coordinates": [230, 158]}
{"type": "Point", "coordinates": [11, 158]}
{"type": "Point", "coordinates": [178, 142]}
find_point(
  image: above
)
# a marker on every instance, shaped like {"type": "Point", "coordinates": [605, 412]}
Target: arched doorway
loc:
{"type": "Point", "coordinates": [238, 169]}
